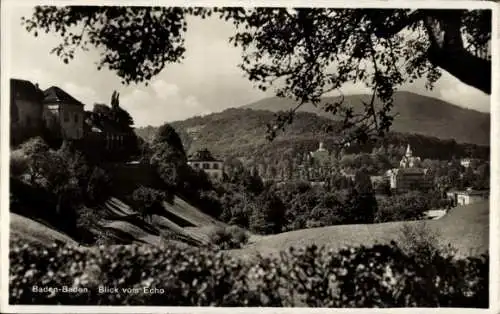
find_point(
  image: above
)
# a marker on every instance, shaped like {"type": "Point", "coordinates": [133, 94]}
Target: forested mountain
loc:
{"type": "Point", "coordinates": [415, 114]}
{"type": "Point", "coordinates": [242, 133]}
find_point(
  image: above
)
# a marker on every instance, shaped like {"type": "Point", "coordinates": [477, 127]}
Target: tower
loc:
{"type": "Point", "coordinates": [321, 147]}
{"type": "Point", "coordinates": [409, 153]}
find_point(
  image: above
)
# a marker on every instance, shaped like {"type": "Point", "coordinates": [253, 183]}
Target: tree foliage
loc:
{"type": "Point", "coordinates": [148, 201]}
{"type": "Point", "coordinates": [381, 276]}
{"type": "Point", "coordinates": [168, 155]}
{"type": "Point", "coordinates": [119, 116]}
{"type": "Point", "coordinates": [303, 53]}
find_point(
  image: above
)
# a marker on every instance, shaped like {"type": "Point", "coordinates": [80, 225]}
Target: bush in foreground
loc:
{"type": "Point", "coordinates": [381, 276]}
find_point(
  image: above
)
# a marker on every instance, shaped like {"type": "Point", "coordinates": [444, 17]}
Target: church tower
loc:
{"type": "Point", "coordinates": [321, 147]}
{"type": "Point", "coordinates": [408, 161]}
{"type": "Point", "coordinates": [409, 152]}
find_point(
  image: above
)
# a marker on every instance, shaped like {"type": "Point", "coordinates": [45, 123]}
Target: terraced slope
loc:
{"type": "Point", "coordinates": [191, 214]}
{"type": "Point", "coordinates": [170, 224]}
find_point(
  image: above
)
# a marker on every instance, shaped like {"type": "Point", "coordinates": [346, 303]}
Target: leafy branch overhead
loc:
{"type": "Point", "coordinates": [302, 54]}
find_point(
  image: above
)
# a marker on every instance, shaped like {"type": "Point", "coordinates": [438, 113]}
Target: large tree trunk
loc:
{"type": "Point", "coordinates": [447, 51]}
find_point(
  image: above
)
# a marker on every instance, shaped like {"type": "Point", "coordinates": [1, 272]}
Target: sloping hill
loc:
{"type": "Point", "coordinates": [242, 133]}
{"type": "Point", "coordinates": [179, 222]}
{"type": "Point", "coordinates": [128, 231]}
{"type": "Point", "coordinates": [191, 214]}
{"type": "Point", "coordinates": [415, 114]}
{"type": "Point", "coordinates": [465, 227]}
{"type": "Point", "coordinates": [33, 231]}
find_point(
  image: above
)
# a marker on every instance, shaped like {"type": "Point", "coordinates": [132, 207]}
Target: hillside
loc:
{"type": "Point", "coordinates": [35, 232]}
{"type": "Point", "coordinates": [242, 133]}
{"type": "Point", "coordinates": [465, 227]}
{"type": "Point", "coordinates": [415, 114]}
{"type": "Point", "coordinates": [179, 221]}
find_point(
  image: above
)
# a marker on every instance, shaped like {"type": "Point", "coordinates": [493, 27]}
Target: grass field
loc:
{"type": "Point", "coordinates": [466, 228]}
{"type": "Point", "coordinates": [35, 232]}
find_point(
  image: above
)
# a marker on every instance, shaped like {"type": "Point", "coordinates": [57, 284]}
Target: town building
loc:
{"type": "Point", "coordinates": [321, 155]}
{"type": "Point", "coordinates": [62, 111]}
{"type": "Point", "coordinates": [468, 196]}
{"type": "Point", "coordinates": [25, 110]}
{"type": "Point", "coordinates": [469, 162]}
{"type": "Point", "coordinates": [408, 160]}
{"type": "Point", "coordinates": [410, 175]}
{"type": "Point", "coordinates": [203, 160]}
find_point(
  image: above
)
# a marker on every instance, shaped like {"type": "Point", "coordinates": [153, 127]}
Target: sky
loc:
{"type": "Point", "coordinates": [208, 79]}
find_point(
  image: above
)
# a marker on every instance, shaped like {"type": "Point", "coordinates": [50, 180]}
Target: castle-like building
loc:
{"type": "Point", "coordinates": [34, 112]}
{"type": "Point", "coordinates": [410, 175]}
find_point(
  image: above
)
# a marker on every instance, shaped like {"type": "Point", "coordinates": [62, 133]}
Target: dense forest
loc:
{"type": "Point", "coordinates": [242, 133]}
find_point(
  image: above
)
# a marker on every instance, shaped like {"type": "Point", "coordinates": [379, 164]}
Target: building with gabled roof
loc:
{"type": "Point", "coordinates": [25, 109]}
{"type": "Point", "coordinates": [55, 94]}
{"type": "Point", "coordinates": [63, 112]}
{"type": "Point", "coordinates": [204, 160]}
{"type": "Point", "coordinates": [468, 196]}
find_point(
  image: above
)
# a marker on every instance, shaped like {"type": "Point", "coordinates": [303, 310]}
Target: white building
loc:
{"type": "Point", "coordinates": [468, 196]}
{"type": "Point", "coordinates": [203, 160]}
{"type": "Point", "coordinates": [468, 162]}
{"type": "Point", "coordinates": [62, 111]}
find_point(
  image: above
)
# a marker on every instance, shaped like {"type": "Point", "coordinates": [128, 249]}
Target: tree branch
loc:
{"type": "Point", "coordinates": [447, 52]}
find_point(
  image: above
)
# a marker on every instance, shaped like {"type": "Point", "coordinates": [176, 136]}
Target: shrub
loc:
{"type": "Point", "coordinates": [232, 237]}
{"type": "Point", "coordinates": [420, 240]}
{"type": "Point", "coordinates": [209, 202]}
{"type": "Point", "coordinates": [383, 276]}
{"type": "Point", "coordinates": [99, 186]}
{"type": "Point", "coordinates": [148, 200]}
{"type": "Point", "coordinates": [380, 276]}
{"type": "Point", "coordinates": [408, 206]}
{"type": "Point", "coordinates": [268, 216]}
{"type": "Point", "coordinates": [18, 163]}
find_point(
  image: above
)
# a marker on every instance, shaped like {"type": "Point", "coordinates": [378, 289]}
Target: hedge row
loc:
{"type": "Point", "coordinates": [380, 276]}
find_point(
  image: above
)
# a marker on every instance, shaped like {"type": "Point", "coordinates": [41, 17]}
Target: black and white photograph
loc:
{"type": "Point", "coordinates": [293, 156]}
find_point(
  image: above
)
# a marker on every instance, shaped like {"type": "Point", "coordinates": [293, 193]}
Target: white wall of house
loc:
{"type": "Point", "coordinates": [214, 169]}
{"type": "Point", "coordinates": [466, 199]}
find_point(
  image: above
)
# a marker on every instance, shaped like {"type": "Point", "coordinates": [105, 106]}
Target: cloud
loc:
{"type": "Point", "coordinates": [165, 90]}
{"type": "Point", "coordinates": [207, 80]}
{"type": "Point", "coordinates": [161, 102]}
{"type": "Point", "coordinates": [465, 96]}
{"type": "Point", "coordinates": [85, 94]}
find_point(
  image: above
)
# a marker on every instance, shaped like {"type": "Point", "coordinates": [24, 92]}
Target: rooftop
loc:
{"type": "Point", "coordinates": [474, 192]}
{"type": "Point", "coordinates": [202, 155]}
{"type": "Point", "coordinates": [55, 94]}
{"type": "Point", "coordinates": [25, 89]}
